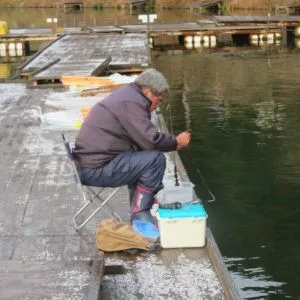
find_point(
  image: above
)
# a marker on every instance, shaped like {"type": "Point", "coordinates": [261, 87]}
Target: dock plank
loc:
{"type": "Point", "coordinates": [31, 31]}
{"type": "Point", "coordinates": [84, 68]}
{"type": "Point", "coordinates": [21, 280]}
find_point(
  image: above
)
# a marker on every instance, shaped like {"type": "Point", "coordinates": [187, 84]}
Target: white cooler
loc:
{"type": "Point", "coordinates": [182, 228]}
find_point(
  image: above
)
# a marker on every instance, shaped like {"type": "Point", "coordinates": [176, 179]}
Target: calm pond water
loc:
{"type": "Point", "coordinates": [244, 112]}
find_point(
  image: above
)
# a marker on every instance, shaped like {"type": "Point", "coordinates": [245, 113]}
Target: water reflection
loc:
{"type": "Point", "coordinates": [252, 281]}
{"type": "Point", "coordinates": [270, 115]}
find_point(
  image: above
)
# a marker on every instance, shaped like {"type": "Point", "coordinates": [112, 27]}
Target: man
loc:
{"type": "Point", "coordinates": [119, 145]}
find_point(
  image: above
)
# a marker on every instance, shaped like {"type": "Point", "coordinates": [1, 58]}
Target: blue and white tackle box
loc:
{"type": "Point", "coordinates": [182, 228]}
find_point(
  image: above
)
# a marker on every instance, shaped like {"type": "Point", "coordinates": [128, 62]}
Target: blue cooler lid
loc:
{"type": "Point", "coordinates": [187, 211]}
{"type": "Point", "coordinates": [146, 229]}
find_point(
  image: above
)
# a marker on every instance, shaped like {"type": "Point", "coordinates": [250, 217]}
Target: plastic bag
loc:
{"type": "Point", "coordinates": [68, 101]}
{"type": "Point", "coordinates": [64, 120]}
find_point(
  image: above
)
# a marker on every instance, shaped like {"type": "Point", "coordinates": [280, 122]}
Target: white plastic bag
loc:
{"type": "Point", "coordinates": [62, 120]}
{"type": "Point", "coordinates": [67, 102]}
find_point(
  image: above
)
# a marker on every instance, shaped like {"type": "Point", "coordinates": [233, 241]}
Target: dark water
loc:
{"type": "Point", "coordinates": [244, 112]}
{"type": "Point", "coordinates": [243, 108]}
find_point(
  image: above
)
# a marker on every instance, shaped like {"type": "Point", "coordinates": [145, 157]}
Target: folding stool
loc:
{"type": "Point", "coordinates": [88, 193]}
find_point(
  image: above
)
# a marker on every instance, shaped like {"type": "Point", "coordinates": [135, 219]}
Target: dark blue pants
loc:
{"type": "Point", "coordinates": [145, 168]}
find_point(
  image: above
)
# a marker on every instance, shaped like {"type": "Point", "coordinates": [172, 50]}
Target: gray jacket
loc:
{"type": "Point", "coordinates": [119, 123]}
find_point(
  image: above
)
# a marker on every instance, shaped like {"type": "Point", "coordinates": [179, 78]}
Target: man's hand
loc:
{"type": "Point", "coordinates": [183, 139]}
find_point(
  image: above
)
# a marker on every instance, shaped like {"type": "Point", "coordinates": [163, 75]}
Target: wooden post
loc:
{"type": "Point", "coordinates": [284, 35]}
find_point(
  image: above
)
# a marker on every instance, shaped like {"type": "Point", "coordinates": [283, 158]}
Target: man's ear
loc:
{"type": "Point", "coordinates": [147, 92]}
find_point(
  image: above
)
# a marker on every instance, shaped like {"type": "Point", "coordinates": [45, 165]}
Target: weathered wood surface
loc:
{"type": "Point", "coordinates": [104, 29]}
{"type": "Point", "coordinates": [48, 65]}
{"type": "Point", "coordinates": [31, 32]}
{"type": "Point", "coordinates": [83, 68]}
{"type": "Point", "coordinates": [102, 68]}
{"type": "Point", "coordinates": [41, 256]}
{"type": "Point", "coordinates": [82, 54]}
{"type": "Point", "coordinates": [162, 27]}
{"type": "Point", "coordinates": [198, 29]}
{"type": "Point", "coordinates": [28, 35]}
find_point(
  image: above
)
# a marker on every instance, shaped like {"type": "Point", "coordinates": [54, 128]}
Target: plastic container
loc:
{"type": "Point", "coordinates": [146, 229]}
{"type": "Point", "coordinates": [5, 70]}
{"type": "Point", "coordinates": [184, 193]}
{"type": "Point", "coordinates": [3, 28]}
{"type": "Point", "coordinates": [182, 228]}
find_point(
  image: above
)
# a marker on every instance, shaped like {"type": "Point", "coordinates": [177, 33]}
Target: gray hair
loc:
{"type": "Point", "coordinates": [154, 80]}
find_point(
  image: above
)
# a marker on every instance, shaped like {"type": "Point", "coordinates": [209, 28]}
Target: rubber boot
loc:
{"type": "Point", "coordinates": [141, 202]}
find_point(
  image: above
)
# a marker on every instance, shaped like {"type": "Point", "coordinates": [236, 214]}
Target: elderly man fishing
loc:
{"type": "Point", "coordinates": [119, 145]}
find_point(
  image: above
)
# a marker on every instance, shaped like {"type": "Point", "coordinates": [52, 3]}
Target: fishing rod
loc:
{"type": "Point", "coordinates": [174, 155]}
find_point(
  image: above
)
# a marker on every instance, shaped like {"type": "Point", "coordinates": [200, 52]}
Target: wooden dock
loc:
{"type": "Point", "coordinates": [86, 55]}
{"type": "Point", "coordinates": [196, 29]}
{"type": "Point", "coordinates": [276, 20]}
{"type": "Point", "coordinates": [16, 44]}
{"type": "Point", "coordinates": [84, 51]}
{"type": "Point", "coordinates": [183, 29]}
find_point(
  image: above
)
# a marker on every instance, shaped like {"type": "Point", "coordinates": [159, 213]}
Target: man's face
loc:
{"type": "Point", "coordinates": [155, 99]}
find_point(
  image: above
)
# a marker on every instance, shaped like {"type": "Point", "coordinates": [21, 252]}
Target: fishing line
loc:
{"type": "Point", "coordinates": [188, 122]}
{"type": "Point", "coordinates": [213, 199]}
